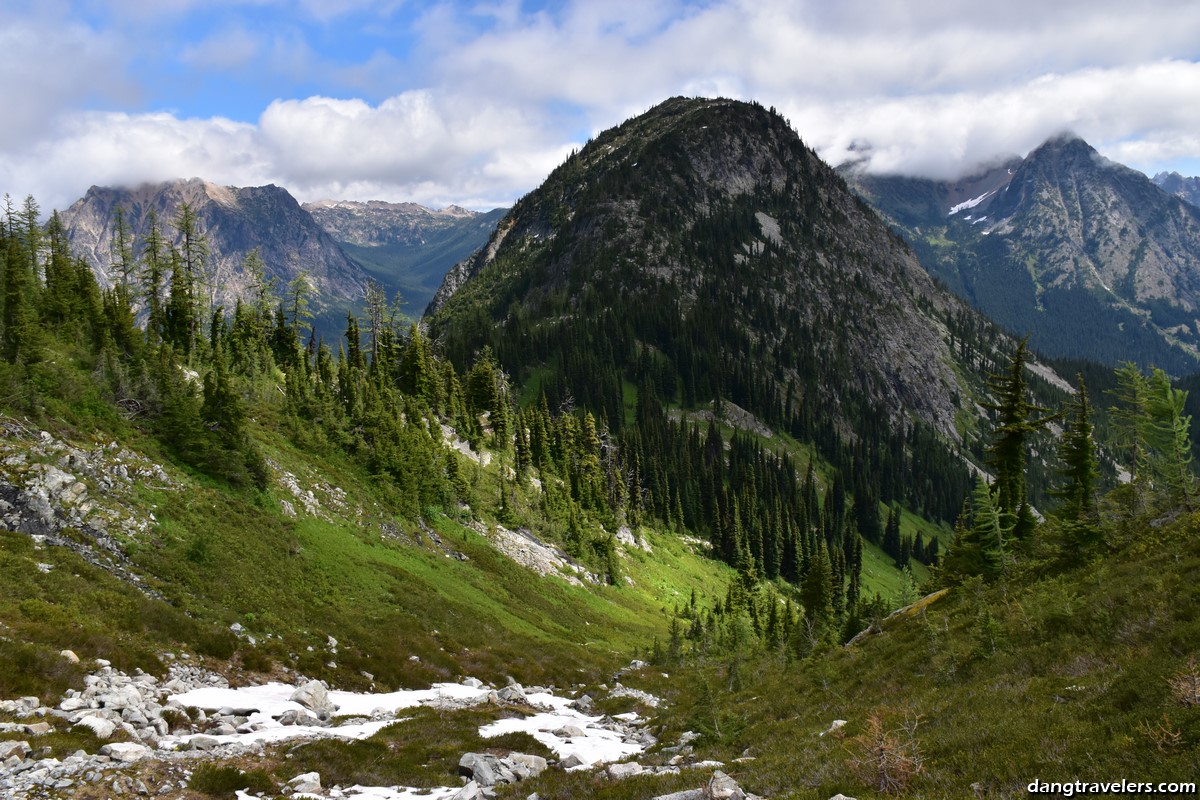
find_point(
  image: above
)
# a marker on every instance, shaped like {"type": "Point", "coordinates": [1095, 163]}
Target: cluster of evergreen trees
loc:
{"type": "Point", "coordinates": [195, 373]}
{"type": "Point", "coordinates": [1151, 434]}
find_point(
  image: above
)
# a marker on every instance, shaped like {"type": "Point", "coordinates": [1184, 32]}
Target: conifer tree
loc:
{"type": "Point", "coordinates": [1080, 468]}
{"type": "Point", "coordinates": [155, 263]}
{"type": "Point", "coordinates": [1017, 421]}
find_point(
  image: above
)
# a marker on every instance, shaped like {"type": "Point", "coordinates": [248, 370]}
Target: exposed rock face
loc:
{"type": "Point", "coordinates": [233, 220]}
{"type": "Point", "coordinates": [715, 213]}
{"type": "Point", "coordinates": [48, 486]}
{"type": "Point", "coordinates": [378, 223]}
{"type": "Point", "coordinates": [1090, 256]}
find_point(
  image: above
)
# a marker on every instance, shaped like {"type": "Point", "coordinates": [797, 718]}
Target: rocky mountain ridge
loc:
{"type": "Point", "coordinates": [1090, 257]}
{"type": "Point", "coordinates": [1185, 188]}
{"type": "Point", "coordinates": [787, 251]}
{"type": "Point", "coordinates": [233, 220]}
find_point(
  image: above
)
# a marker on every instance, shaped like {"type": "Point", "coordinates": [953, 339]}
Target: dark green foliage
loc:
{"type": "Point", "coordinates": [1007, 453]}
{"type": "Point", "coordinates": [1080, 470]}
{"type": "Point", "coordinates": [224, 781]}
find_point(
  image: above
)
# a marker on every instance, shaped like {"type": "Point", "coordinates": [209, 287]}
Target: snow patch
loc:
{"type": "Point", "coordinates": [974, 201]}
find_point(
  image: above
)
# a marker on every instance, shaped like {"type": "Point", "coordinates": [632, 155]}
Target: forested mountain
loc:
{"type": "Point", "coordinates": [700, 254]}
{"type": "Point", "coordinates": [1088, 257]}
{"type": "Point", "coordinates": [233, 221]}
{"type": "Point", "coordinates": [404, 246]}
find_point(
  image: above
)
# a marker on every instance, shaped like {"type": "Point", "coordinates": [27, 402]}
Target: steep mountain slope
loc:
{"type": "Point", "coordinates": [405, 246]}
{"type": "Point", "coordinates": [705, 230]}
{"type": "Point", "coordinates": [1090, 257]}
{"type": "Point", "coordinates": [233, 220]}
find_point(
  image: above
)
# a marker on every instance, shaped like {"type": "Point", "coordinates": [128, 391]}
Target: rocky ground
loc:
{"type": "Point", "coordinates": [154, 732]}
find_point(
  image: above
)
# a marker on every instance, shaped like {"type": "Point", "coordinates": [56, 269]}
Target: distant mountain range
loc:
{"type": "Point", "coordinates": [407, 248]}
{"type": "Point", "coordinates": [234, 221]}
{"type": "Point", "coordinates": [1185, 188]}
{"type": "Point", "coordinates": [1090, 258]}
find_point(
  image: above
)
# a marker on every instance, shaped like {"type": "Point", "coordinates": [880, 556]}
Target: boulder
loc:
{"type": "Point", "coordinates": [583, 704]}
{"type": "Point", "coordinates": [294, 717]}
{"type": "Point", "coordinates": [315, 697]}
{"type": "Point", "coordinates": [722, 787]}
{"type": "Point", "coordinates": [525, 766]}
{"type": "Point", "coordinates": [572, 761]}
{"type": "Point", "coordinates": [512, 694]}
{"type": "Point", "coordinates": [624, 770]}
{"type": "Point", "coordinates": [569, 732]}
{"type": "Point", "coordinates": [125, 752]}
{"type": "Point", "coordinates": [203, 743]}
{"type": "Point", "coordinates": [306, 782]}
{"type": "Point", "coordinates": [481, 768]}
{"type": "Point", "coordinates": [471, 791]}
{"type": "Point", "coordinates": [103, 728]}
{"type": "Point", "coordinates": [19, 749]}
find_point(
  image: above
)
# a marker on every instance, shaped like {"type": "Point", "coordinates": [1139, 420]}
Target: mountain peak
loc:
{"type": "Point", "coordinates": [706, 220]}
{"type": "Point", "coordinates": [235, 220]}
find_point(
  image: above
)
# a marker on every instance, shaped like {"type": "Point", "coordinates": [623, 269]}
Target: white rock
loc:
{"type": "Point", "coordinates": [307, 782]}
{"type": "Point", "coordinates": [834, 727]}
{"type": "Point", "coordinates": [126, 752]}
{"type": "Point", "coordinates": [103, 728]}
{"type": "Point", "coordinates": [626, 770]}
{"type": "Point", "coordinates": [313, 695]}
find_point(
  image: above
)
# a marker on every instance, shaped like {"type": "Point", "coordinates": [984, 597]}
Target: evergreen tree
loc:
{"type": "Point", "coordinates": [1007, 451]}
{"type": "Point", "coordinates": [1080, 468]}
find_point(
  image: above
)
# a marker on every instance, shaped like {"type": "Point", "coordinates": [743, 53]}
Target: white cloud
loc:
{"type": "Point", "coordinates": [946, 135]}
{"type": "Point", "coordinates": [51, 66]}
{"type": "Point", "coordinates": [490, 97]}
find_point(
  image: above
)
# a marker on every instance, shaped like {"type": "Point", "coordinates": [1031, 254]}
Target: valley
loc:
{"type": "Point", "coordinates": [694, 482]}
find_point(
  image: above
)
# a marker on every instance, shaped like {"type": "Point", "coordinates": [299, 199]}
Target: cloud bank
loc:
{"type": "Point", "coordinates": [474, 105]}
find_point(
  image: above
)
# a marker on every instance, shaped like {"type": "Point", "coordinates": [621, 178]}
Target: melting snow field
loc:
{"type": "Point", "coordinates": [596, 745]}
{"type": "Point", "coordinates": [272, 700]}
{"type": "Point", "coordinates": [564, 730]}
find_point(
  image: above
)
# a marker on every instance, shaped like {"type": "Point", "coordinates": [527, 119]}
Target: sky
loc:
{"type": "Point", "coordinates": [473, 103]}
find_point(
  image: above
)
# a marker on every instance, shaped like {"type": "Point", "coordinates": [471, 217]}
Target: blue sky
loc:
{"type": "Point", "coordinates": [474, 102]}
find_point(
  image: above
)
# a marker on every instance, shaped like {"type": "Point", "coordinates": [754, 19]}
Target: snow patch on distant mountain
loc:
{"type": "Point", "coordinates": [974, 201]}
